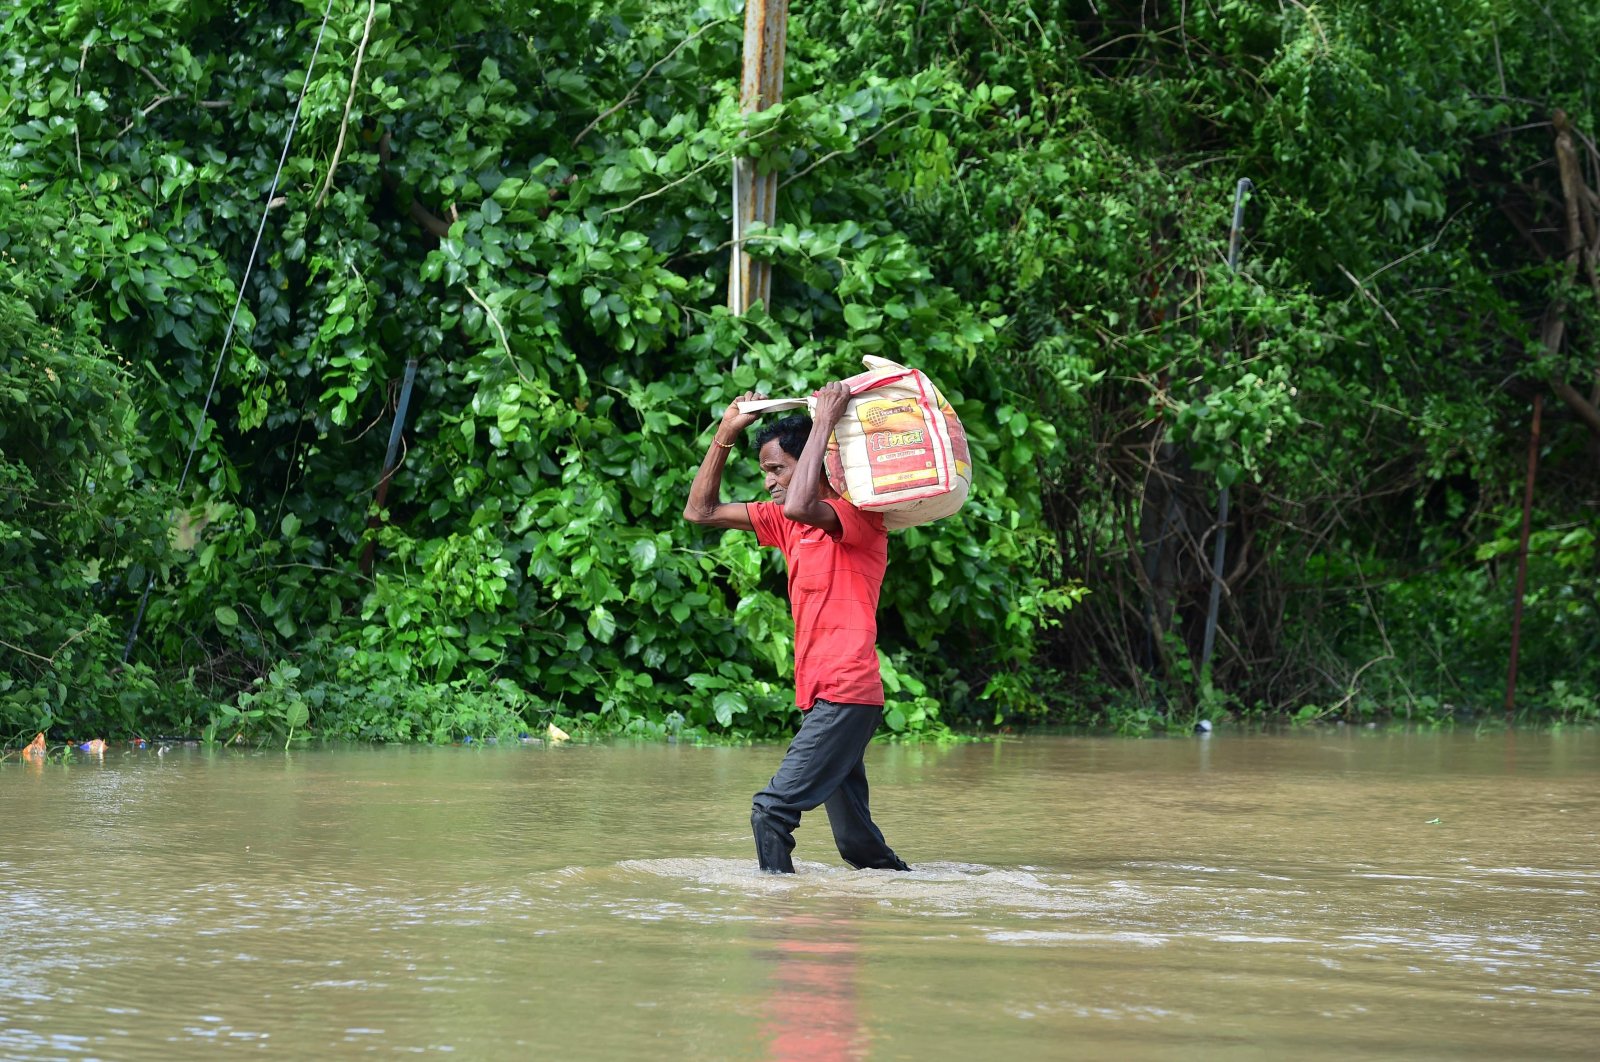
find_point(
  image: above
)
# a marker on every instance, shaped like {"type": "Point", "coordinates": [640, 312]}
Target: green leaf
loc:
{"type": "Point", "coordinates": [858, 317]}
{"type": "Point", "coordinates": [728, 704]}
{"type": "Point", "coordinates": [227, 617]}
{"type": "Point", "coordinates": [643, 552]}
{"type": "Point", "coordinates": [601, 623]}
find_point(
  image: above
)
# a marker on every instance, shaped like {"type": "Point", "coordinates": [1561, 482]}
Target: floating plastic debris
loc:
{"type": "Point", "coordinates": [556, 734]}
{"type": "Point", "coordinates": [36, 749]}
{"type": "Point", "coordinates": [97, 747]}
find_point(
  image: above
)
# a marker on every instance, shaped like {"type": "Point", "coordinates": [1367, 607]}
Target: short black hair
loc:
{"type": "Point", "coordinates": [791, 432]}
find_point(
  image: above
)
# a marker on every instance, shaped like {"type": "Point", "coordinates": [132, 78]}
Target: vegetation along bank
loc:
{"type": "Point", "coordinates": [525, 211]}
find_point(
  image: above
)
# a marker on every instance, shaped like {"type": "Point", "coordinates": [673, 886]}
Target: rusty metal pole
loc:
{"type": "Point", "coordinates": [1522, 558]}
{"type": "Point", "coordinates": [755, 196]}
{"type": "Point", "coordinates": [390, 461]}
{"type": "Point", "coordinates": [1220, 552]}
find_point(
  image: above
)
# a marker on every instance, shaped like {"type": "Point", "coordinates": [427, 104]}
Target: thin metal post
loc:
{"type": "Point", "coordinates": [390, 457]}
{"type": "Point", "coordinates": [1219, 552]}
{"type": "Point", "coordinates": [755, 196]}
{"type": "Point", "coordinates": [1522, 557]}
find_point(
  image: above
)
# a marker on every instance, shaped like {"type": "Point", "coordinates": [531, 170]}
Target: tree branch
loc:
{"type": "Point", "coordinates": [714, 160]}
{"type": "Point", "coordinates": [430, 221]}
{"type": "Point", "coordinates": [51, 659]}
{"type": "Point", "coordinates": [630, 95]}
{"type": "Point", "coordinates": [344, 124]}
{"type": "Point", "coordinates": [851, 150]}
{"type": "Point", "coordinates": [494, 319]}
{"type": "Point", "coordinates": [1352, 684]}
{"type": "Point", "coordinates": [1571, 181]}
{"type": "Point", "coordinates": [143, 113]}
{"type": "Point", "coordinates": [1579, 250]}
{"type": "Point", "coordinates": [1362, 288]}
{"type": "Point", "coordinates": [156, 81]}
{"type": "Point", "coordinates": [1585, 410]}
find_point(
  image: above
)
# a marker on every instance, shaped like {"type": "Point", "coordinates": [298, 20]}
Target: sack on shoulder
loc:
{"type": "Point", "coordinates": [899, 448]}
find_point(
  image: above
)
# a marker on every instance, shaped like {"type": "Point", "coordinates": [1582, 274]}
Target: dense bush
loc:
{"type": "Point", "coordinates": [1029, 201]}
{"type": "Point", "coordinates": [76, 523]}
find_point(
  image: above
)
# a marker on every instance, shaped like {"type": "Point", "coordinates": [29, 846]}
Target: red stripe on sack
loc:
{"type": "Point", "coordinates": [877, 382]}
{"type": "Point", "coordinates": [936, 425]}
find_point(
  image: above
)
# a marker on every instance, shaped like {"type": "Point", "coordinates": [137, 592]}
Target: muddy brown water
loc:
{"type": "Point", "coordinates": [1227, 897]}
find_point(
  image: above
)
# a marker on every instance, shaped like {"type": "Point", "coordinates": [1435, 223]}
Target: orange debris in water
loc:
{"type": "Point", "coordinates": [36, 750]}
{"type": "Point", "coordinates": [97, 747]}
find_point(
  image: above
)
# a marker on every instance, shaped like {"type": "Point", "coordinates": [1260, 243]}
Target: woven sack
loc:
{"type": "Point", "coordinates": [898, 449]}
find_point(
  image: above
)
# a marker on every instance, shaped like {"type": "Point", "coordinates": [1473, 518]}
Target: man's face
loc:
{"type": "Point", "coordinates": [778, 468]}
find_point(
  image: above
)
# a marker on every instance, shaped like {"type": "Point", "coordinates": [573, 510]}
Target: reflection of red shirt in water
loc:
{"type": "Point", "coordinates": [833, 594]}
{"type": "Point", "coordinates": [815, 1017]}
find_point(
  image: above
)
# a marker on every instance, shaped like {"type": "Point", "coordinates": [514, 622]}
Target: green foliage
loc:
{"type": "Point", "coordinates": [1028, 201]}
{"type": "Point", "coordinates": [569, 346]}
{"type": "Point", "coordinates": [346, 702]}
{"type": "Point", "coordinates": [73, 528]}
{"type": "Point", "coordinates": [1454, 619]}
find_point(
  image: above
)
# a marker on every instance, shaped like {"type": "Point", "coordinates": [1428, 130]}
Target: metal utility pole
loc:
{"type": "Point", "coordinates": [1522, 558]}
{"type": "Point", "coordinates": [390, 460]}
{"type": "Point", "coordinates": [1219, 555]}
{"type": "Point", "coordinates": [755, 197]}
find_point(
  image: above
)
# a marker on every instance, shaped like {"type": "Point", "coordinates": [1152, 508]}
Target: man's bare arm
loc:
{"type": "Point", "coordinates": [804, 501]}
{"type": "Point", "coordinates": [705, 506]}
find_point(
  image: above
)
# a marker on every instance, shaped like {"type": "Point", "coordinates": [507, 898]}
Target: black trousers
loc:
{"type": "Point", "coordinates": [824, 765]}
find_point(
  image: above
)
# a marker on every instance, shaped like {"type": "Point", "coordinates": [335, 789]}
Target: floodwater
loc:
{"type": "Point", "coordinates": [1327, 895]}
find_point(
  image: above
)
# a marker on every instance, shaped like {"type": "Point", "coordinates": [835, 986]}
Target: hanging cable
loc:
{"type": "Point", "coordinates": [233, 318]}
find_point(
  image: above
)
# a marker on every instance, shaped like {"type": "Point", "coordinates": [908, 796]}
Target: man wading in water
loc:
{"type": "Point", "coordinates": [836, 556]}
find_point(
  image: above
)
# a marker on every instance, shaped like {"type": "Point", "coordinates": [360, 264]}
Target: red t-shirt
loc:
{"type": "Point", "coordinates": [833, 594]}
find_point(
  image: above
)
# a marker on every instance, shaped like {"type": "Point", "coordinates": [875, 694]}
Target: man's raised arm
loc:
{"type": "Point", "coordinates": [804, 500]}
{"type": "Point", "coordinates": [706, 506]}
